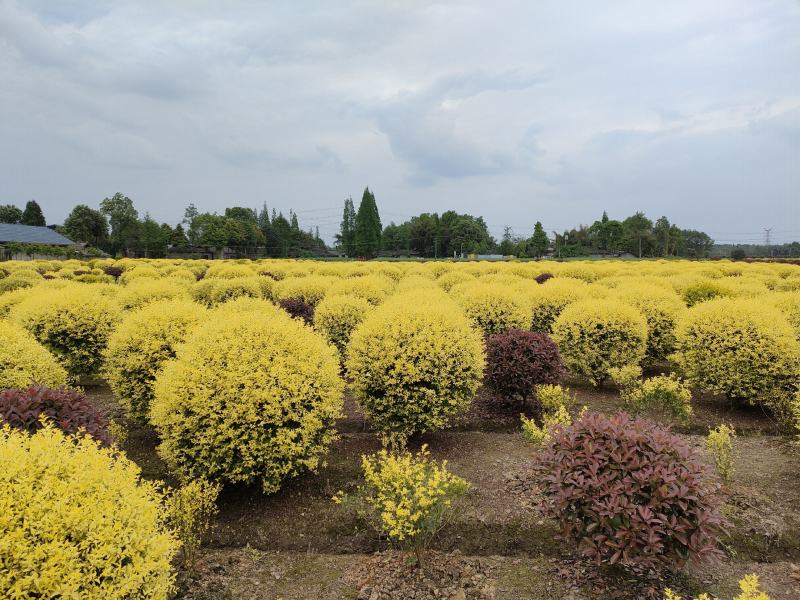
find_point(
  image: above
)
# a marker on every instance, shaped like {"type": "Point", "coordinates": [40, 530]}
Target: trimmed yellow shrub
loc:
{"type": "Point", "coordinates": [138, 348]}
{"type": "Point", "coordinates": [702, 290]}
{"type": "Point", "coordinates": [336, 317]}
{"type": "Point", "coordinates": [494, 308]}
{"type": "Point", "coordinates": [789, 304]}
{"type": "Point", "coordinates": [10, 299]}
{"type": "Point", "coordinates": [140, 292]}
{"type": "Point", "coordinates": [73, 322]}
{"type": "Point", "coordinates": [594, 337]}
{"type": "Point", "coordinates": [19, 279]}
{"type": "Point", "coordinates": [214, 291]}
{"type": "Point", "coordinates": [742, 348]}
{"type": "Point", "coordinates": [76, 521]}
{"type": "Point", "coordinates": [448, 280]}
{"type": "Point", "coordinates": [372, 288]}
{"type": "Point", "coordinates": [141, 271]}
{"type": "Point", "coordinates": [228, 271]}
{"type": "Point", "coordinates": [309, 289]}
{"type": "Point", "coordinates": [415, 361]}
{"type": "Point", "coordinates": [662, 308]}
{"type": "Point", "coordinates": [249, 398]}
{"type": "Point", "coordinates": [23, 360]}
{"type": "Point", "coordinates": [550, 298]}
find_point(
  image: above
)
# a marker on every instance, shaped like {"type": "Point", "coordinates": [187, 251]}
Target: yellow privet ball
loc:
{"type": "Point", "coordinates": [228, 271]}
{"type": "Point", "coordinates": [214, 291]}
{"type": "Point", "coordinates": [415, 361]}
{"type": "Point", "coordinates": [140, 292]}
{"type": "Point", "coordinates": [742, 348]}
{"type": "Point", "coordinates": [310, 289]}
{"type": "Point", "coordinates": [23, 360]}
{"type": "Point", "coordinates": [594, 336]}
{"type": "Point", "coordinates": [251, 397]}
{"type": "Point", "coordinates": [494, 308]}
{"type": "Point", "coordinates": [337, 316]}
{"type": "Point", "coordinates": [139, 347]}
{"type": "Point", "coordinates": [140, 271]}
{"type": "Point", "coordinates": [73, 322]}
{"type": "Point", "coordinates": [550, 298]}
{"type": "Point", "coordinates": [77, 522]}
{"type": "Point", "coordinates": [20, 279]}
{"type": "Point", "coordinates": [372, 288]}
{"type": "Point", "coordinates": [662, 308]}
{"type": "Point", "coordinates": [789, 304]}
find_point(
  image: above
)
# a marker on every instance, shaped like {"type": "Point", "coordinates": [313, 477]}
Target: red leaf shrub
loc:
{"type": "Point", "coordinates": [517, 361]}
{"type": "Point", "coordinates": [115, 272]}
{"type": "Point", "coordinates": [543, 277]}
{"type": "Point", "coordinates": [298, 309]}
{"type": "Point", "coordinates": [629, 492]}
{"type": "Point", "coordinates": [68, 409]}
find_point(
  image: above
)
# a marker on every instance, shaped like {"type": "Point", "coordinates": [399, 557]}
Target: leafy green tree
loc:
{"type": "Point", "coordinates": [394, 239]}
{"type": "Point", "coordinates": [368, 226]}
{"type": "Point", "coordinates": [249, 231]}
{"type": "Point", "coordinates": [667, 237]}
{"type": "Point", "coordinates": [189, 215]}
{"type": "Point", "coordinates": [638, 234]}
{"type": "Point", "coordinates": [124, 221]}
{"type": "Point", "coordinates": [10, 214]}
{"type": "Point", "coordinates": [696, 244]}
{"type": "Point", "coordinates": [153, 238]}
{"type": "Point", "coordinates": [423, 233]}
{"type": "Point", "coordinates": [539, 241]}
{"type": "Point", "coordinates": [606, 234]}
{"type": "Point", "coordinates": [32, 215]}
{"type": "Point", "coordinates": [87, 225]}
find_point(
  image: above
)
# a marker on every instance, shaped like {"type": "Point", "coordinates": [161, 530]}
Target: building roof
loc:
{"type": "Point", "coordinates": [29, 234]}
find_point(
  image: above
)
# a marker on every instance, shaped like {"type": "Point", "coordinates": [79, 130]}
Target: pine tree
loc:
{"type": "Point", "coordinates": [347, 231]}
{"type": "Point", "coordinates": [368, 226]}
{"type": "Point", "coordinates": [539, 241]}
{"type": "Point", "coordinates": [32, 215]}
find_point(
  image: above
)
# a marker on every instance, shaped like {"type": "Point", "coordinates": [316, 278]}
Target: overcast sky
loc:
{"type": "Point", "coordinates": [517, 111]}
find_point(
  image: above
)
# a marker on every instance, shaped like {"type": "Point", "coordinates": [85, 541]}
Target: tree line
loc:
{"type": "Point", "coordinates": [451, 234]}
{"type": "Point", "coordinates": [117, 228]}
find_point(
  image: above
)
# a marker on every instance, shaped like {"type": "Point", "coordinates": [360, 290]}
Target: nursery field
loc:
{"type": "Point", "coordinates": [370, 430]}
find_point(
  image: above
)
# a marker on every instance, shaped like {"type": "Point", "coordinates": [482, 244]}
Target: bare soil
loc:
{"type": "Point", "coordinates": [298, 544]}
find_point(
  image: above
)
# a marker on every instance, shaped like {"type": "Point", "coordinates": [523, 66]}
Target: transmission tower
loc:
{"type": "Point", "coordinates": [767, 231]}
